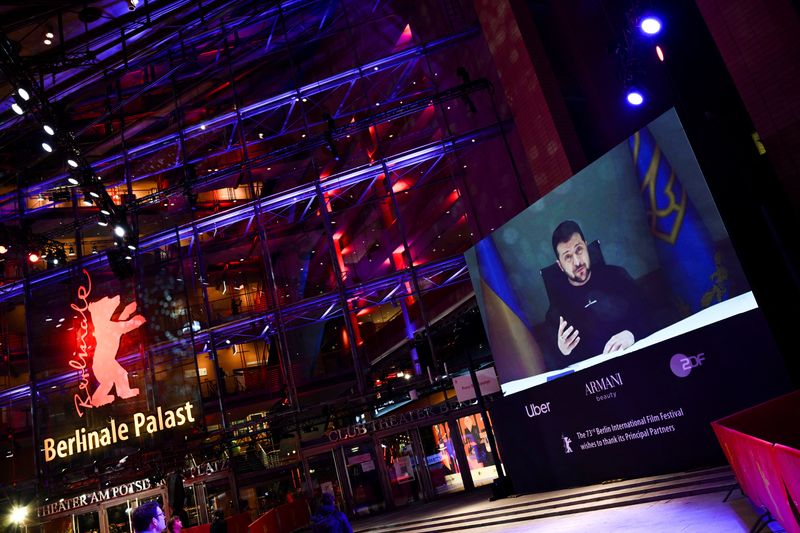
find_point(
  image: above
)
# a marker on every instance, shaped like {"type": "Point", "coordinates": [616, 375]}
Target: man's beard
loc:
{"type": "Point", "coordinates": [582, 279]}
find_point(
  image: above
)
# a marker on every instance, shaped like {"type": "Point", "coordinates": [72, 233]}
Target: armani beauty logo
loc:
{"type": "Point", "coordinates": [603, 388]}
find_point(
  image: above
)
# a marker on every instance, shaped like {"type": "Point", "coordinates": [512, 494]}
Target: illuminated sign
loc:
{"type": "Point", "coordinates": [205, 469]}
{"type": "Point", "coordinates": [107, 333]}
{"type": "Point", "coordinates": [91, 498]}
{"type": "Point", "coordinates": [141, 424]}
{"type": "Point", "coordinates": [388, 422]}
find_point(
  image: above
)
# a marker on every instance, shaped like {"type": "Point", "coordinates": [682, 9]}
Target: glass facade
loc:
{"type": "Point", "coordinates": [298, 183]}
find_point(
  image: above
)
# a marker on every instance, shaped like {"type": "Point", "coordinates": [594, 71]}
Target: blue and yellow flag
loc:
{"type": "Point", "coordinates": [516, 353]}
{"type": "Point", "coordinates": [684, 245]}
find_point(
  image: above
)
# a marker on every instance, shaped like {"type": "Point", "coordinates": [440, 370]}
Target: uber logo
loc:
{"type": "Point", "coordinates": [682, 365]}
{"type": "Point", "coordinates": [536, 410]}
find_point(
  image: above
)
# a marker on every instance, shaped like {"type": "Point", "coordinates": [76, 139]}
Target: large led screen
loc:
{"type": "Point", "coordinates": [628, 252]}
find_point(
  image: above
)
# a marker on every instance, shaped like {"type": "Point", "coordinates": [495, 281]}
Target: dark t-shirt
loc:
{"type": "Point", "coordinates": [608, 303]}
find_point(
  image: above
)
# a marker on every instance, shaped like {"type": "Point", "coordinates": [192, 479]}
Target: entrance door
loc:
{"type": "Point", "coordinates": [119, 518]}
{"type": "Point", "coordinates": [401, 468]}
{"type": "Point", "coordinates": [440, 454]}
{"type": "Point", "coordinates": [364, 477]}
{"type": "Point", "coordinates": [118, 514]}
{"type": "Point", "coordinates": [87, 522]}
{"type": "Point", "coordinates": [322, 473]}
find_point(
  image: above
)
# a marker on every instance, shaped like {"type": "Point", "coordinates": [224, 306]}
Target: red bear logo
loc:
{"type": "Point", "coordinates": [107, 371]}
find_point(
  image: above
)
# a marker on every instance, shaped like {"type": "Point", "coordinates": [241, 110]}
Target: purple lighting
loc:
{"type": "Point", "coordinates": [634, 97]}
{"type": "Point", "coordinates": [650, 25]}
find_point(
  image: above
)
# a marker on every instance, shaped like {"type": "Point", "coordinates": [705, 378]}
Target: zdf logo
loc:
{"type": "Point", "coordinates": [681, 365]}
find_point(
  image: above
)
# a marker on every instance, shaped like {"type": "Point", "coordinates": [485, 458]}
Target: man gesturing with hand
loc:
{"type": "Point", "coordinates": [600, 309]}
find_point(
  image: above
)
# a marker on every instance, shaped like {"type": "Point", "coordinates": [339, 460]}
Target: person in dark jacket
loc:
{"type": "Point", "coordinates": [328, 518]}
{"type": "Point", "coordinates": [599, 308]}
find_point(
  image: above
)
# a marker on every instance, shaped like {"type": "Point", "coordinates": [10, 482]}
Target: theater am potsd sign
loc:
{"type": "Point", "coordinates": [111, 377]}
{"type": "Point", "coordinates": [126, 489]}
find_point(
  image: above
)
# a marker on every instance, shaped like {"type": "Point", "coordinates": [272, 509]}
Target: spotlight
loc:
{"type": "Point", "coordinates": [47, 147]}
{"type": "Point", "coordinates": [73, 181]}
{"type": "Point", "coordinates": [48, 42]}
{"type": "Point", "coordinates": [102, 223]}
{"type": "Point", "coordinates": [131, 247]}
{"type": "Point", "coordinates": [660, 53]}
{"type": "Point", "coordinates": [132, 4]}
{"type": "Point", "coordinates": [3, 248]}
{"type": "Point", "coordinates": [33, 257]}
{"type": "Point", "coordinates": [94, 194]}
{"type": "Point", "coordinates": [71, 251]}
{"type": "Point", "coordinates": [17, 109]}
{"type": "Point", "coordinates": [105, 212]}
{"type": "Point", "coordinates": [49, 35]}
{"type": "Point", "coordinates": [650, 25]}
{"type": "Point", "coordinates": [634, 97]}
{"type": "Point", "coordinates": [119, 230]}
{"type": "Point", "coordinates": [48, 130]}
{"type": "Point", "coordinates": [23, 94]}
{"type": "Point", "coordinates": [72, 163]}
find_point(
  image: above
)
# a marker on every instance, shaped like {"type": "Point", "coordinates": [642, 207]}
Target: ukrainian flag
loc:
{"type": "Point", "coordinates": [516, 353]}
{"type": "Point", "coordinates": [684, 245]}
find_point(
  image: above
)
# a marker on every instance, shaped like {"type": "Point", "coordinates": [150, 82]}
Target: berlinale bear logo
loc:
{"type": "Point", "coordinates": [107, 333]}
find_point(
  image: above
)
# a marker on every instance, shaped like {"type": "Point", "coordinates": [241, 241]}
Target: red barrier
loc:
{"type": "Point", "coordinates": [282, 519]}
{"type": "Point", "coordinates": [787, 462]}
{"type": "Point", "coordinates": [768, 473]}
{"type": "Point", "coordinates": [237, 523]}
{"type": "Point", "coordinates": [202, 528]}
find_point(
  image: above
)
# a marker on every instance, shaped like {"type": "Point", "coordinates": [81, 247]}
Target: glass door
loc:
{"type": "Point", "coordinates": [322, 470]}
{"type": "Point", "coordinates": [365, 481]}
{"type": "Point", "coordinates": [440, 455]}
{"type": "Point", "coordinates": [401, 467]}
{"type": "Point", "coordinates": [119, 518]}
{"type": "Point", "coordinates": [477, 450]}
{"type": "Point", "coordinates": [87, 522]}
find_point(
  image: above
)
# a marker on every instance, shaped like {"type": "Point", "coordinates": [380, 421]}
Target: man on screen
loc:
{"type": "Point", "coordinates": [599, 308]}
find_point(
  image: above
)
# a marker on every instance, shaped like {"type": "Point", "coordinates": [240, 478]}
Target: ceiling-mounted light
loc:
{"type": "Point", "coordinates": [17, 109]}
{"type": "Point", "coordinates": [650, 25]}
{"type": "Point", "coordinates": [49, 35]}
{"type": "Point", "coordinates": [634, 97]}
{"type": "Point", "coordinates": [48, 130]}
{"type": "Point", "coordinates": [23, 94]}
{"type": "Point", "coordinates": [131, 247]}
{"type": "Point", "coordinates": [48, 42]}
{"type": "Point", "coordinates": [3, 248]}
{"type": "Point", "coordinates": [46, 147]}
{"type": "Point", "coordinates": [71, 251]}
{"type": "Point", "coordinates": [105, 211]}
{"type": "Point", "coordinates": [33, 257]}
{"type": "Point", "coordinates": [94, 194]}
{"type": "Point", "coordinates": [72, 181]}
{"type": "Point", "coordinates": [72, 163]}
{"type": "Point", "coordinates": [94, 248]}
{"type": "Point", "coordinates": [102, 223]}
{"type": "Point", "coordinates": [119, 230]}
